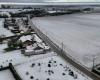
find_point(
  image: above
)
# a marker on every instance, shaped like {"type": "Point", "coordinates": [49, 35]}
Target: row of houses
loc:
{"type": "Point", "coordinates": [27, 41]}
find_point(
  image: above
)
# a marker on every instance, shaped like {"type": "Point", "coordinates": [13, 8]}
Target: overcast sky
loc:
{"type": "Point", "coordinates": [49, 1]}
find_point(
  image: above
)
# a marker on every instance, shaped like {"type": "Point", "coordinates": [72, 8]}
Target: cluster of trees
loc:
{"type": "Point", "coordinates": [5, 6]}
{"type": "Point", "coordinates": [32, 13]}
{"type": "Point", "coordinates": [14, 44]}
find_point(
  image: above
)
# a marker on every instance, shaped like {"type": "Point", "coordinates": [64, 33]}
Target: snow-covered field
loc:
{"type": "Point", "coordinates": [50, 68]}
{"type": "Point", "coordinates": [80, 34]}
{"type": "Point", "coordinates": [16, 58]}
{"type": "Point", "coordinates": [6, 75]}
{"type": "Point", "coordinates": [2, 47]}
{"type": "Point", "coordinates": [23, 64]}
{"type": "Point", "coordinates": [4, 31]}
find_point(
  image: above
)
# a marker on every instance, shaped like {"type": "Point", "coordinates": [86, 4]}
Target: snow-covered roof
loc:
{"type": "Point", "coordinates": [30, 47]}
{"type": "Point", "coordinates": [51, 11]}
{"type": "Point", "coordinates": [25, 38]}
{"type": "Point", "coordinates": [37, 38]}
{"type": "Point", "coordinates": [5, 13]}
{"type": "Point", "coordinates": [11, 27]}
{"type": "Point", "coordinates": [28, 51]}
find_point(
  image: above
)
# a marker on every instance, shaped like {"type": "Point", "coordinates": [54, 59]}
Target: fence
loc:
{"type": "Point", "coordinates": [4, 68]}
{"type": "Point", "coordinates": [15, 74]}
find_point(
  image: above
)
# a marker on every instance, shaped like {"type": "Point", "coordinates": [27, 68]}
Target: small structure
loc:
{"type": "Point", "coordinates": [15, 29]}
{"type": "Point", "coordinates": [26, 40]}
{"type": "Point", "coordinates": [30, 50]}
{"type": "Point", "coordinates": [32, 46]}
{"type": "Point", "coordinates": [34, 49]}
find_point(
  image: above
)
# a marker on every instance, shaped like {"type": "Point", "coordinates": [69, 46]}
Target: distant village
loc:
{"type": "Point", "coordinates": [40, 11]}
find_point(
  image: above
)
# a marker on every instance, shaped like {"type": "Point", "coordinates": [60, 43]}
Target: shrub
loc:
{"type": "Point", "coordinates": [9, 49]}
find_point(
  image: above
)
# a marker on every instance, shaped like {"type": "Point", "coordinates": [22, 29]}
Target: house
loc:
{"type": "Point", "coordinates": [31, 50]}
{"type": "Point", "coordinates": [26, 40]}
{"type": "Point", "coordinates": [33, 46]}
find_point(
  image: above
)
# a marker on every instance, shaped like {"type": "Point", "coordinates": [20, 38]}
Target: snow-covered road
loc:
{"type": "Point", "coordinates": [79, 32]}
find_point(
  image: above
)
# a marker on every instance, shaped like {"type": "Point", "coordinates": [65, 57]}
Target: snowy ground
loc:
{"type": "Point", "coordinates": [4, 31]}
{"type": "Point", "coordinates": [50, 68]}
{"type": "Point", "coordinates": [2, 47]}
{"type": "Point", "coordinates": [47, 66]}
{"type": "Point", "coordinates": [80, 33]}
{"type": "Point", "coordinates": [16, 58]}
{"type": "Point", "coordinates": [6, 75]}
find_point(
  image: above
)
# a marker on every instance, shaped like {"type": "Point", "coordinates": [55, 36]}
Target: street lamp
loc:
{"type": "Point", "coordinates": [62, 47]}
{"type": "Point", "coordinates": [94, 58]}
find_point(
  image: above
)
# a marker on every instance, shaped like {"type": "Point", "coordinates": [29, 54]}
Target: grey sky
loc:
{"type": "Point", "coordinates": [31, 1]}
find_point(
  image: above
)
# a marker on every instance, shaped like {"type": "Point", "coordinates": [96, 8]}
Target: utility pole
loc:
{"type": "Point", "coordinates": [93, 63]}
{"type": "Point", "coordinates": [62, 47]}
{"type": "Point", "coordinates": [94, 58]}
